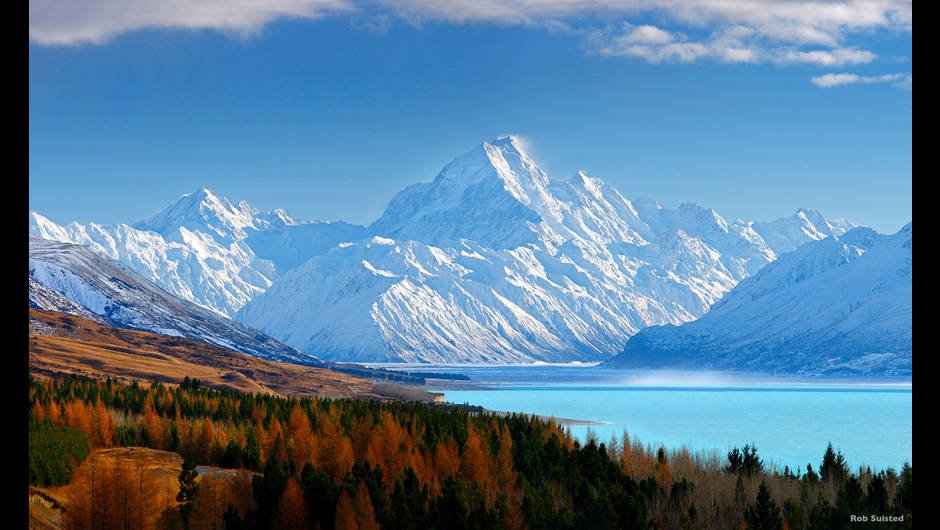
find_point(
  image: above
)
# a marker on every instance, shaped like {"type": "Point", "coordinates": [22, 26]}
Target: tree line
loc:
{"type": "Point", "coordinates": [321, 463]}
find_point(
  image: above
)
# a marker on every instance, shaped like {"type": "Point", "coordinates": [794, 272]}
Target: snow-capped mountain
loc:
{"type": "Point", "coordinates": [48, 299]}
{"type": "Point", "coordinates": [493, 261]}
{"type": "Point", "coordinates": [205, 249]}
{"type": "Point", "coordinates": [78, 280]}
{"type": "Point", "coordinates": [839, 305]}
{"type": "Point", "coordinates": [788, 233]}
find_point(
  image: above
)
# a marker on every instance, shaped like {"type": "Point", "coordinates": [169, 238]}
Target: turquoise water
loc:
{"type": "Point", "coordinates": [790, 424]}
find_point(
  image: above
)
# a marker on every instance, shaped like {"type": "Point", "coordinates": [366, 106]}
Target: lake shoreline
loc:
{"type": "Point", "coordinates": [790, 422]}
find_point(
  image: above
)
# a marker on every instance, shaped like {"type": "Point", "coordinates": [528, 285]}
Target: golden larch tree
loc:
{"type": "Point", "coordinates": [334, 453]}
{"type": "Point", "coordinates": [292, 509]}
{"type": "Point", "coordinates": [365, 511]}
{"type": "Point", "coordinates": [346, 513]}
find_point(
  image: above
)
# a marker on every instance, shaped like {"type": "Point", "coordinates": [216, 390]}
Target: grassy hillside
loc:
{"type": "Point", "coordinates": [62, 344]}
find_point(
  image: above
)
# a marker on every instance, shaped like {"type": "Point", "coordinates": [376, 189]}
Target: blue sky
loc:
{"type": "Point", "coordinates": [328, 108]}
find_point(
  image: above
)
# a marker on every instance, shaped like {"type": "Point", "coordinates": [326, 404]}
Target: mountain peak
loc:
{"type": "Point", "coordinates": [582, 180]}
{"type": "Point", "coordinates": [813, 216]}
{"type": "Point", "coordinates": [204, 211]}
{"type": "Point", "coordinates": [278, 217]}
{"type": "Point", "coordinates": [202, 193]}
{"type": "Point", "coordinates": [494, 194]}
{"type": "Point", "coordinates": [45, 228]}
{"type": "Point", "coordinates": [509, 140]}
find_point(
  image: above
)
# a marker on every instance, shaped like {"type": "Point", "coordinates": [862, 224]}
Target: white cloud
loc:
{"type": "Point", "coordinates": [738, 44]}
{"type": "Point", "coordinates": [841, 79]}
{"type": "Point", "coordinates": [647, 35]}
{"type": "Point", "coordinates": [820, 15]}
{"type": "Point", "coordinates": [831, 57]}
{"type": "Point", "coordinates": [56, 22]}
{"type": "Point", "coordinates": [816, 32]}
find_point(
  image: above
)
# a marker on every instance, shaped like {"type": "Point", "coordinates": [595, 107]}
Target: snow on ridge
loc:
{"type": "Point", "coordinates": [838, 305]}
{"type": "Point", "coordinates": [204, 249]}
{"type": "Point", "coordinates": [75, 279]}
{"type": "Point", "coordinates": [492, 250]}
{"type": "Point", "coordinates": [495, 262]}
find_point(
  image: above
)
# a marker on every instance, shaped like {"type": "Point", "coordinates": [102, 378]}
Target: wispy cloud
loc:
{"type": "Point", "coordinates": [815, 32]}
{"type": "Point", "coordinates": [53, 22]}
{"type": "Point", "coordinates": [738, 44]}
{"type": "Point", "coordinates": [831, 80]}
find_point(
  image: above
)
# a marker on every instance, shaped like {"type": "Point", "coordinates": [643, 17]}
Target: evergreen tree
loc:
{"type": "Point", "coordinates": [821, 517]}
{"type": "Point", "coordinates": [409, 502]}
{"type": "Point", "coordinates": [905, 489]}
{"type": "Point", "coordinates": [764, 513]}
{"type": "Point", "coordinates": [321, 496]}
{"type": "Point", "coordinates": [849, 500]}
{"type": "Point", "coordinates": [54, 453]}
{"type": "Point", "coordinates": [745, 461]}
{"type": "Point", "coordinates": [877, 496]}
{"type": "Point", "coordinates": [810, 477]}
{"type": "Point", "coordinates": [833, 468]}
{"type": "Point", "coordinates": [450, 510]}
{"type": "Point", "coordinates": [268, 489]}
{"type": "Point", "coordinates": [188, 489]}
{"type": "Point", "coordinates": [793, 513]}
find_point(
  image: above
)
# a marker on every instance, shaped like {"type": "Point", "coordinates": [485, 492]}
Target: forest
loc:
{"type": "Point", "coordinates": [357, 464]}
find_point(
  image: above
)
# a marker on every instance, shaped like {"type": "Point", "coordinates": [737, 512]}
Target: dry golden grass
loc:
{"type": "Point", "coordinates": [61, 344]}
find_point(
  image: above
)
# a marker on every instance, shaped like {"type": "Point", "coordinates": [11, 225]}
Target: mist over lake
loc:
{"type": "Point", "coordinates": [790, 420]}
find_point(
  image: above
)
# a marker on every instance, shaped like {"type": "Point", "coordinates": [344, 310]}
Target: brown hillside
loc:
{"type": "Point", "coordinates": [62, 344]}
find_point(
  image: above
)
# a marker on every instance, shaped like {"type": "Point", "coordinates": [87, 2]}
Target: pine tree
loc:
{"type": "Point", "coordinates": [905, 488]}
{"type": "Point", "coordinates": [833, 468]}
{"type": "Point", "coordinates": [877, 495]}
{"type": "Point", "coordinates": [744, 461]}
{"type": "Point", "coordinates": [851, 497]}
{"type": "Point", "coordinates": [764, 513]}
{"type": "Point", "coordinates": [188, 489]}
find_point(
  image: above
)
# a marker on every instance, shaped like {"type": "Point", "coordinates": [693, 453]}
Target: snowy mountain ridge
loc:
{"type": "Point", "coordinates": [78, 280]}
{"type": "Point", "coordinates": [205, 249]}
{"type": "Point", "coordinates": [841, 305]}
{"type": "Point", "coordinates": [491, 261]}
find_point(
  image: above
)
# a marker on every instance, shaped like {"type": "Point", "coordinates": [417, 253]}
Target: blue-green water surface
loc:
{"type": "Point", "coordinates": [790, 422]}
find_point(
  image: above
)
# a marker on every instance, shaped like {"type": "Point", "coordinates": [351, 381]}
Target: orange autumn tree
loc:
{"type": "Point", "coordinates": [301, 444]}
{"type": "Point", "coordinates": [346, 513]}
{"type": "Point", "coordinates": [389, 447]}
{"type": "Point", "coordinates": [334, 453]}
{"type": "Point", "coordinates": [475, 465]}
{"type": "Point", "coordinates": [446, 459]}
{"type": "Point", "coordinates": [152, 424]}
{"type": "Point", "coordinates": [292, 510]}
{"type": "Point", "coordinates": [365, 512]}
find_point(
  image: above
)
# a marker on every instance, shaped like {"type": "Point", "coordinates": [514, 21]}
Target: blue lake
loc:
{"type": "Point", "coordinates": [790, 421]}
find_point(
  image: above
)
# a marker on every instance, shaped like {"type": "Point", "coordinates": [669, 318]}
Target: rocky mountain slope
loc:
{"type": "Point", "coordinates": [493, 261]}
{"type": "Point", "coordinates": [841, 305]}
{"type": "Point", "coordinates": [78, 280]}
